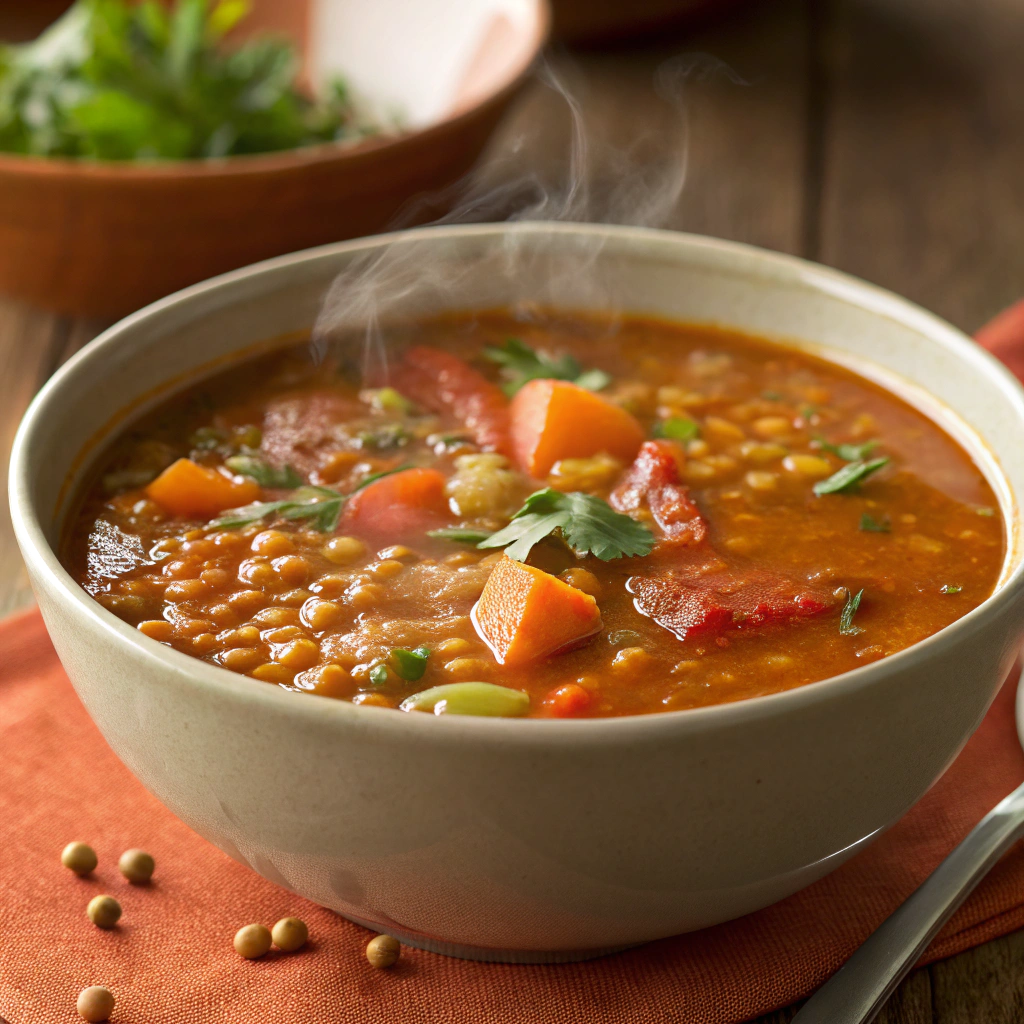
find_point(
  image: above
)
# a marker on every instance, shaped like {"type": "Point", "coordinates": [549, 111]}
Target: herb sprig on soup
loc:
{"type": "Point", "coordinates": [563, 518]}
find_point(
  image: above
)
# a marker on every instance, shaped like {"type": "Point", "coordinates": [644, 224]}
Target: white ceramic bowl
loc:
{"type": "Point", "coordinates": [529, 839]}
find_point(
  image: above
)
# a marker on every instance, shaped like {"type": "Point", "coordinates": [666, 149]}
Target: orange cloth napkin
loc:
{"type": "Point", "coordinates": [170, 961]}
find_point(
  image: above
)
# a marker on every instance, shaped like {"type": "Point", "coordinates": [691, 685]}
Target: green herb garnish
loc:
{"type": "Point", "coordinates": [519, 364]}
{"type": "Point", "coordinates": [390, 435]}
{"type": "Point", "coordinates": [871, 525]}
{"type": "Point", "coordinates": [379, 675]}
{"type": "Point", "coordinates": [771, 396]}
{"type": "Point", "coordinates": [951, 588]}
{"type": "Point", "coordinates": [846, 626]}
{"type": "Point", "coordinates": [677, 428]}
{"type": "Point", "coordinates": [320, 505]}
{"type": "Point", "coordinates": [807, 411]}
{"type": "Point", "coordinates": [848, 476]}
{"type": "Point", "coordinates": [848, 452]}
{"type": "Point", "coordinates": [409, 665]}
{"type": "Point", "coordinates": [387, 400]}
{"type": "Point", "coordinates": [984, 510]}
{"type": "Point", "coordinates": [587, 524]}
{"type": "Point", "coordinates": [115, 80]}
{"type": "Point", "coordinates": [263, 473]}
{"type": "Point", "coordinates": [205, 439]}
{"type": "Point", "coordinates": [460, 535]}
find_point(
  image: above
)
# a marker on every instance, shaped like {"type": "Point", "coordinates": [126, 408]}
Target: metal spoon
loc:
{"type": "Point", "coordinates": [859, 989]}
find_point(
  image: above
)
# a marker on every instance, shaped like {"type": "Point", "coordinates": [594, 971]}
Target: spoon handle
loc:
{"type": "Point", "coordinates": [859, 989]}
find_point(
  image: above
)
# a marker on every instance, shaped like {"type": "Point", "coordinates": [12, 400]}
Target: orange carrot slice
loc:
{"type": "Point", "coordinates": [398, 507]}
{"type": "Point", "coordinates": [554, 419]}
{"type": "Point", "coordinates": [566, 701]}
{"type": "Point", "coordinates": [199, 492]}
{"type": "Point", "coordinates": [525, 613]}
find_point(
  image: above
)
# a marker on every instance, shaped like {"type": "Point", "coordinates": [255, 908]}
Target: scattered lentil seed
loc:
{"type": "Point", "coordinates": [252, 941]}
{"type": "Point", "coordinates": [137, 866]}
{"type": "Point", "coordinates": [103, 911]}
{"type": "Point", "coordinates": [95, 1003]}
{"type": "Point", "coordinates": [383, 951]}
{"type": "Point", "coordinates": [290, 934]}
{"type": "Point", "coordinates": [80, 858]}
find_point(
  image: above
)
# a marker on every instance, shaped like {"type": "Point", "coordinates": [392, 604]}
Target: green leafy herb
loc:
{"type": "Point", "coordinates": [871, 525]}
{"type": "Point", "coordinates": [263, 473]}
{"type": "Point", "coordinates": [677, 428]}
{"type": "Point", "coordinates": [320, 505]}
{"type": "Point", "coordinates": [379, 675]}
{"type": "Point", "coordinates": [848, 452]}
{"type": "Point", "coordinates": [519, 364]}
{"type": "Point", "coordinates": [807, 411]}
{"type": "Point", "coordinates": [207, 438]}
{"type": "Point", "coordinates": [390, 435]}
{"type": "Point", "coordinates": [116, 80]}
{"type": "Point", "coordinates": [460, 535]}
{"type": "Point", "coordinates": [771, 396]}
{"type": "Point", "coordinates": [848, 476]}
{"type": "Point", "coordinates": [846, 626]}
{"type": "Point", "coordinates": [984, 510]}
{"type": "Point", "coordinates": [409, 665]}
{"type": "Point", "coordinates": [951, 588]}
{"type": "Point", "coordinates": [587, 524]}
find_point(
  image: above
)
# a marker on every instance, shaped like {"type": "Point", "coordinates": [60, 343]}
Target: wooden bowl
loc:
{"type": "Point", "coordinates": [102, 239]}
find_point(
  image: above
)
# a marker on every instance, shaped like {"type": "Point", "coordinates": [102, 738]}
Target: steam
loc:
{"type": "Point", "coordinates": [639, 183]}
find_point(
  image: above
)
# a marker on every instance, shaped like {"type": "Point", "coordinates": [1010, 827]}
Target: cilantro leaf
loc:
{"type": "Point", "coordinates": [519, 364]}
{"type": "Point", "coordinates": [587, 524]}
{"type": "Point", "coordinates": [677, 428]}
{"type": "Point", "coordinates": [848, 452]}
{"type": "Point", "coordinates": [846, 626]}
{"type": "Point", "coordinates": [871, 525]}
{"type": "Point", "coordinates": [263, 473]}
{"type": "Point", "coordinates": [848, 476]}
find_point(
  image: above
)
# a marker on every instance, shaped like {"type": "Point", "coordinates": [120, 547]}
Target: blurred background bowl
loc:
{"type": "Point", "coordinates": [102, 239]}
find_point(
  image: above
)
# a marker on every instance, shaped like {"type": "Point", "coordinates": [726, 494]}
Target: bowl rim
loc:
{"type": "Point", "coordinates": [28, 165]}
{"type": "Point", "coordinates": [750, 263]}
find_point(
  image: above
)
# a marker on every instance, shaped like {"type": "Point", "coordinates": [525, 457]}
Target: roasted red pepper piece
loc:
{"type": "Point", "coordinates": [654, 478]}
{"type": "Point", "coordinates": [445, 383]}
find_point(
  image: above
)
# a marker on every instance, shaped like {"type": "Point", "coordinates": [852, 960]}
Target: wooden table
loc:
{"type": "Point", "coordinates": [883, 137]}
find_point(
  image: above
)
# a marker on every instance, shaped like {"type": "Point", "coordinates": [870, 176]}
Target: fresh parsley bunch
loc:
{"type": "Point", "coordinates": [114, 80]}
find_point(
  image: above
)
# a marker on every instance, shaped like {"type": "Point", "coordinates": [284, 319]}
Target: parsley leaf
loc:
{"type": "Point", "coordinates": [519, 364]}
{"type": "Point", "coordinates": [588, 525]}
{"type": "Point", "coordinates": [263, 473]}
{"type": "Point", "coordinates": [320, 505]}
{"type": "Point", "coordinates": [951, 588]}
{"type": "Point", "coordinates": [409, 665]}
{"type": "Point", "coordinates": [848, 452]}
{"type": "Point", "coordinates": [460, 535]}
{"type": "Point", "coordinates": [848, 476]}
{"type": "Point", "coordinates": [871, 525]}
{"type": "Point", "coordinates": [677, 428]}
{"type": "Point", "coordinates": [846, 626]}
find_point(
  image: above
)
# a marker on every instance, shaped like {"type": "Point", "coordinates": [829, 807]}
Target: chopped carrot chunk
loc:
{"type": "Point", "coordinates": [566, 701]}
{"type": "Point", "coordinates": [554, 419]}
{"type": "Point", "coordinates": [525, 613]}
{"type": "Point", "coordinates": [187, 489]}
{"type": "Point", "coordinates": [398, 507]}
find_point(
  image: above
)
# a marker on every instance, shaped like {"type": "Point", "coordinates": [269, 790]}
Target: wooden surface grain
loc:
{"type": "Point", "coordinates": [883, 137]}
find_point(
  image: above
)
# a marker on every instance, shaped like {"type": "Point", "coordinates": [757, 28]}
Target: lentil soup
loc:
{"type": "Point", "coordinates": [569, 517]}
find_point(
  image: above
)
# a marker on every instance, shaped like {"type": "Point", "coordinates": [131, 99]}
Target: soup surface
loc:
{"type": "Point", "coordinates": [566, 516]}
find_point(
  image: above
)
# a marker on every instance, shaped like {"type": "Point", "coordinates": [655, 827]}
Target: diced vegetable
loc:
{"type": "Point", "coordinates": [443, 383]}
{"type": "Point", "coordinates": [654, 478]}
{"type": "Point", "coordinates": [553, 420]}
{"type": "Point", "coordinates": [397, 507]}
{"type": "Point", "coordinates": [587, 524]}
{"type": "Point", "coordinates": [567, 701]}
{"type": "Point", "coordinates": [387, 400]}
{"type": "Point", "coordinates": [379, 675]}
{"type": "Point", "coordinates": [484, 699]}
{"type": "Point", "coordinates": [524, 614]}
{"type": "Point", "coordinates": [677, 428]}
{"type": "Point", "coordinates": [187, 489]}
{"type": "Point", "coordinates": [409, 665]}
{"type": "Point", "coordinates": [951, 588]}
